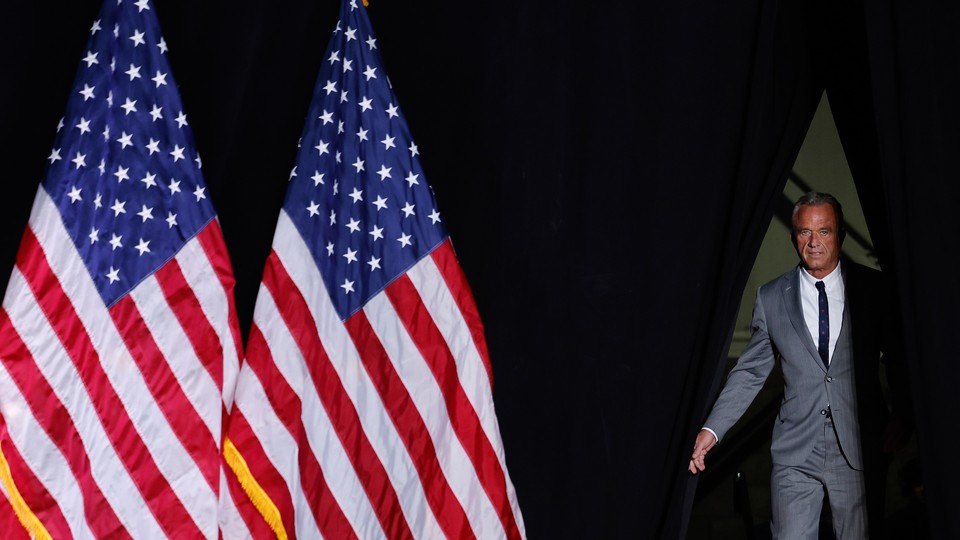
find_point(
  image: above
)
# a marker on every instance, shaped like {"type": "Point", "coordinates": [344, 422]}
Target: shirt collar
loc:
{"type": "Point", "coordinates": [829, 281]}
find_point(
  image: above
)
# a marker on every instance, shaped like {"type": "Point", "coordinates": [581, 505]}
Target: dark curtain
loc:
{"type": "Point", "coordinates": [914, 57]}
{"type": "Point", "coordinates": [607, 172]}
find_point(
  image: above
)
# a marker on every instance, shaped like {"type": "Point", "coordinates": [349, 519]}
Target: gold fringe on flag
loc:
{"type": "Point", "coordinates": [257, 495]}
{"type": "Point", "coordinates": [27, 518]}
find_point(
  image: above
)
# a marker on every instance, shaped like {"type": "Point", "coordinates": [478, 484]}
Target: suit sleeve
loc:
{"type": "Point", "coordinates": [746, 378]}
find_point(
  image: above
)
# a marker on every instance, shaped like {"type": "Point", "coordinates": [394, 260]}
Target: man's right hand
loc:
{"type": "Point", "coordinates": [705, 441]}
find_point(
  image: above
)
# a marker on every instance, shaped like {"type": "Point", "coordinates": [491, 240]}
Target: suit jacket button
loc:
{"type": "Point", "coordinates": [823, 412]}
{"type": "Point", "coordinates": [829, 379]}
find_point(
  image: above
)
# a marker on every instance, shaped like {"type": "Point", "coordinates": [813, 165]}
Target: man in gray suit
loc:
{"type": "Point", "coordinates": [828, 325]}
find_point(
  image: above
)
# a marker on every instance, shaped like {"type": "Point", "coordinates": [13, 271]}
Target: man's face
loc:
{"type": "Point", "coordinates": [815, 235]}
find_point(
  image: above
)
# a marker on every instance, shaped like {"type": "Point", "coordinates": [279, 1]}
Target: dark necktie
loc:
{"type": "Point", "coordinates": [824, 345]}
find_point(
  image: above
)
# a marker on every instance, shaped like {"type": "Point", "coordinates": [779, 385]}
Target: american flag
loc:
{"type": "Point", "coordinates": [118, 333]}
{"type": "Point", "coordinates": [364, 407]}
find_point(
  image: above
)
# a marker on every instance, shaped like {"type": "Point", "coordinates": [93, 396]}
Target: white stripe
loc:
{"type": "Point", "coordinates": [42, 456]}
{"type": "Point", "coordinates": [429, 400]}
{"type": "Point", "coordinates": [173, 343]}
{"type": "Point", "coordinates": [278, 444]}
{"type": "Point", "coordinates": [376, 423]}
{"type": "Point", "coordinates": [323, 440]}
{"type": "Point", "coordinates": [443, 309]}
{"type": "Point", "coordinates": [53, 362]}
{"type": "Point", "coordinates": [172, 459]}
{"type": "Point", "coordinates": [199, 274]}
{"type": "Point", "coordinates": [232, 525]}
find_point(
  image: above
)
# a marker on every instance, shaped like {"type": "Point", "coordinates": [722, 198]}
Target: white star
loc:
{"type": "Point", "coordinates": [376, 233]}
{"type": "Point", "coordinates": [333, 217]}
{"type": "Point", "coordinates": [116, 27]}
{"type": "Point", "coordinates": [343, 98]}
{"type": "Point", "coordinates": [411, 179]}
{"type": "Point", "coordinates": [181, 119]}
{"type": "Point", "coordinates": [362, 134]}
{"type": "Point", "coordinates": [366, 104]}
{"type": "Point", "coordinates": [94, 236]}
{"type": "Point", "coordinates": [384, 172]}
{"type": "Point", "coordinates": [60, 125]}
{"type": "Point", "coordinates": [74, 195]}
{"type": "Point", "coordinates": [327, 117]}
{"type": "Point", "coordinates": [392, 110]}
{"type": "Point", "coordinates": [434, 216]}
{"type": "Point", "coordinates": [338, 156]}
{"type": "Point", "coordinates": [142, 5]}
{"type": "Point", "coordinates": [359, 164]}
{"type": "Point", "coordinates": [334, 57]}
{"type": "Point", "coordinates": [314, 209]}
{"type": "Point", "coordinates": [331, 87]}
{"type": "Point", "coordinates": [336, 187]}
{"type": "Point", "coordinates": [159, 78]}
{"type": "Point", "coordinates": [91, 58]}
{"type": "Point", "coordinates": [340, 126]}
{"type": "Point", "coordinates": [388, 142]}
{"type": "Point", "coordinates": [118, 207]}
{"type": "Point", "coordinates": [137, 38]}
{"type": "Point", "coordinates": [162, 45]}
{"type": "Point", "coordinates": [87, 92]}
{"type": "Point", "coordinates": [156, 113]}
{"type": "Point", "coordinates": [374, 263]}
{"type": "Point", "coordinates": [129, 106]}
{"type": "Point", "coordinates": [177, 153]}
{"type": "Point", "coordinates": [350, 256]}
{"type": "Point", "coordinates": [405, 240]}
{"type": "Point", "coordinates": [171, 220]}
{"type": "Point", "coordinates": [149, 180]}
{"type": "Point", "coordinates": [347, 286]}
{"type": "Point", "coordinates": [293, 173]}
{"type": "Point", "coordinates": [96, 27]}
{"type": "Point", "coordinates": [347, 65]}
{"type": "Point", "coordinates": [102, 167]}
{"type": "Point", "coordinates": [350, 33]}
{"type": "Point", "coordinates": [97, 203]}
{"type": "Point", "coordinates": [125, 140]}
{"type": "Point", "coordinates": [370, 72]}
{"type": "Point", "coordinates": [110, 98]}
{"type": "Point", "coordinates": [83, 125]}
{"type": "Point", "coordinates": [329, 248]}
{"type": "Point", "coordinates": [322, 148]}
{"type": "Point", "coordinates": [380, 203]}
{"type": "Point", "coordinates": [133, 72]}
{"type": "Point", "coordinates": [413, 149]}
{"type": "Point", "coordinates": [106, 133]}
{"type": "Point", "coordinates": [153, 146]}
{"type": "Point", "coordinates": [121, 173]}
{"type": "Point", "coordinates": [115, 241]}
{"type": "Point", "coordinates": [408, 210]}
{"type": "Point", "coordinates": [357, 195]}
{"type": "Point", "coordinates": [353, 225]}
{"type": "Point", "coordinates": [54, 155]}
{"type": "Point", "coordinates": [145, 213]}
{"type": "Point", "coordinates": [174, 186]}
{"type": "Point", "coordinates": [80, 160]}
{"type": "Point", "coordinates": [198, 193]}
{"type": "Point", "coordinates": [113, 274]}
{"type": "Point", "coordinates": [317, 178]}
{"type": "Point", "coordinates": [197, 160]}
{"type": "Point", "coordinates": [372, 43]}
{"type": "Point", "coordinates": [143, 246]}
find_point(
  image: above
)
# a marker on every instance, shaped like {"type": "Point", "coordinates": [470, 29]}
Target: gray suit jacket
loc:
{"type": "Point", "coordinates": [779, 332]}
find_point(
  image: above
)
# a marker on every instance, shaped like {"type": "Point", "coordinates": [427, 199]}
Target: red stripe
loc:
{"type": "Point", "coordinates": [186, 423]}
{"type": "Point", "coordinates": [326, 511]}
{"type": "Point", "coordinates": [36, 496]}
{"type": "Point", "coordinates": [56, 422]}
{"type": "Point", "coordinates": [410, 427]}
{"type": "Point", "coordinates": [211, 240]}
{"type": "Point", "coordinates": [262, 469]}
{"type": "Point", "coordinates": [123, 435]}
{"type": "Point", "coordinates": [446, 260]}
{"type": "Point", "coordinates": [186, 308]}
{"type": "Point", "coordinates": [405, 299]}
{"type": "Point", "coordinates": [343, 416]}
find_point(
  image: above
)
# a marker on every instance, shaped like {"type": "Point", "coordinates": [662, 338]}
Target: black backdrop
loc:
{"type": "Point", "coordinates": [606, 170]}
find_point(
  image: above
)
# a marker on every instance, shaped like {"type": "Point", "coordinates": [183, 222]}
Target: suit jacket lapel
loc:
{"type": "Point", "coordinates": [791, 300]}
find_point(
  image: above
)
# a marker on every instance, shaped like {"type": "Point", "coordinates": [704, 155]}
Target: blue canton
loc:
{"type": "Point", "coordinates": [123, 170]}
{"type": "Point", "coordinates": [357, 194]}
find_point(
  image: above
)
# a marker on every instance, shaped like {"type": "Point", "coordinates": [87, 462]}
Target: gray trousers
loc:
{"type": "Point", "coordinates": [797, 493]}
